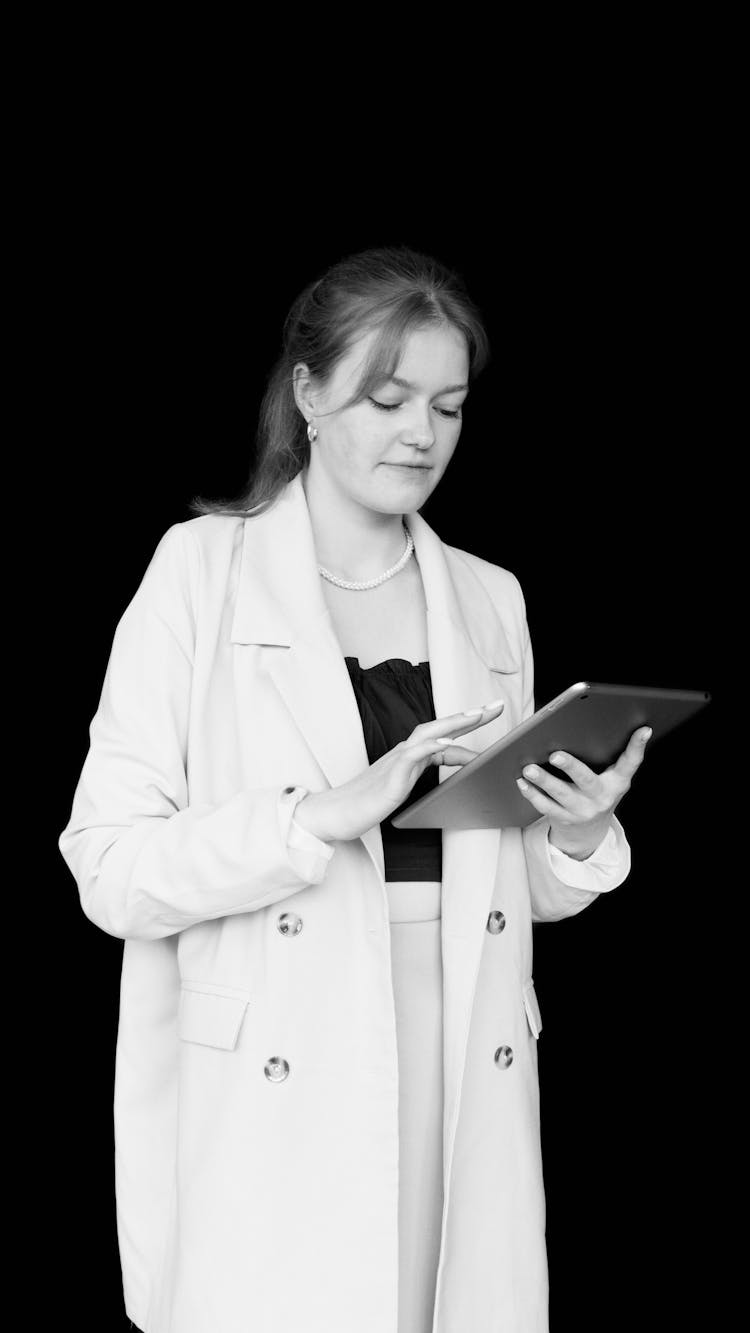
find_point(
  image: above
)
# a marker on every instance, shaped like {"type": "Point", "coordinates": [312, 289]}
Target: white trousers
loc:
{"type": "Point", "coordinates": [417, 970]}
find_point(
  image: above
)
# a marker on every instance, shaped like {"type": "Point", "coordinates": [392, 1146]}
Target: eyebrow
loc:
{"type": "Point", "coordinates": [406, 384]}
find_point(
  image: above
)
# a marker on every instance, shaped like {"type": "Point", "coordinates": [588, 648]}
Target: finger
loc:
{"type": "Point", "coordinates": [566, 794]}
{"type": "Point", "coordinates": [584, 777]}
{"type": "Point", "coordinates": [632, 756]}
{"type": "Point", "coordinates": [543, 804]}
{"type": "Point", "coordinates": [458, 723]}
{"type": "Point", "coordinates": [455, 756]}
{"type": "Point", "coordinates": [452, 755]}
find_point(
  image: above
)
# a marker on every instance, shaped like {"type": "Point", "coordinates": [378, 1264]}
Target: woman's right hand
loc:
{"type": "Point", "coordinates": [347, 811]}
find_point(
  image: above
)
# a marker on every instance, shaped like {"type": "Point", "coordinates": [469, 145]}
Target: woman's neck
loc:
{"type": "Point", "coordinates": [351, 541]}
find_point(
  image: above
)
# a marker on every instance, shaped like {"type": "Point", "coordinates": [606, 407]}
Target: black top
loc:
{"type": "Point", "coordinates": [393, 697]}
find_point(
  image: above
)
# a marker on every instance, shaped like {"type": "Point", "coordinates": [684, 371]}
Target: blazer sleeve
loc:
{"type": "Point", "coordinates": [146, 860]}
{"type": "Point", "coordinates": [560, 885]}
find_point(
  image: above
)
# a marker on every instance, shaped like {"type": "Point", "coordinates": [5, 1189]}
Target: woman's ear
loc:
{"type": "Point", "coordinates": [304, 394]}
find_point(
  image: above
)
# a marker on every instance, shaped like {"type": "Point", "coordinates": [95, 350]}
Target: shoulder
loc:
{"type": "Point", "coordinates": [209, 532]}
{"type": "Point", "coordinates": [501, 584]}
{"type": "Point", "coordinates": [202, 538]}
{"type": "Point", "coordinates": [493, 606]}
{"type": "Point", "coordinates": [194, 555]}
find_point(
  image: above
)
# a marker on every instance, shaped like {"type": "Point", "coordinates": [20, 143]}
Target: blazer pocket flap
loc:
{"type": "Point", "coordinates": [210, 1017]}
{"type": "Point", "coordinates": [531, 1005]}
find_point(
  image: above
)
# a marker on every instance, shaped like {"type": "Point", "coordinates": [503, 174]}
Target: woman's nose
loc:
{"type": "Point", "coordinates": [419, 429]}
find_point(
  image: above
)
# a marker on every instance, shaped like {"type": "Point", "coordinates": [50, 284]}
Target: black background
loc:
{"type": "Point", "coordinates": [590, 463]}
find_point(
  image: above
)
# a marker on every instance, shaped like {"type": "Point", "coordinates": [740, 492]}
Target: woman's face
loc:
{"type": "Point", "coordinates": [389, 452]}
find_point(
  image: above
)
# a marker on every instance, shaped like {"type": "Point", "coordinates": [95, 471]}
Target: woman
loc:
{"type": "Point", "coordinates": [326, 1094]}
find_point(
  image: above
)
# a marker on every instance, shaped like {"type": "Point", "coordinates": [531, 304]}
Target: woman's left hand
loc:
{"type": "Point", "coordinates": [580, 812]}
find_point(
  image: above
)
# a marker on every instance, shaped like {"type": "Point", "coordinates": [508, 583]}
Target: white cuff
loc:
{"type": "Point", "coordinates": [611, 856]}
{"type": "Point", "coordinates": [305, 841]}
{"type": "Point", "coordinates": [310, 855]}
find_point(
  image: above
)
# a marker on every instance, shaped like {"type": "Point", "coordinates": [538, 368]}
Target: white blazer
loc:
{"type": "Point", "coordinates": [256, 1085]}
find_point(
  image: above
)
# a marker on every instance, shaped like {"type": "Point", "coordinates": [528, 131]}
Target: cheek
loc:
{"type": "Point", "coordinates": [342, 441]}
{"type": "Point", "coordinates": [357, 447]}
{"type": "Point", "coordinates": [367, 442]}
{"type": "Point", "coordinates": [449, 439]}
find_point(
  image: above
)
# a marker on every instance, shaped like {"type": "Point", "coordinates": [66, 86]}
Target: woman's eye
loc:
{"type": "Point", "coordinates": [385, 407]}
{"type": "Point", "coordinates": [392, 407]}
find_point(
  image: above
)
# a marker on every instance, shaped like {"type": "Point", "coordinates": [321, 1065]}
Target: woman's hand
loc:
{"type": "Point", "coordinates": [345, 812]}
{"type": "Point", "coordinates": [580, 812]}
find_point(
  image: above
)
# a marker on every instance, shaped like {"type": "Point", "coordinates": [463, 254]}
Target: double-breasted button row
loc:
{"type": "Point", "coordinates": [289, 923]}
{"type": "Point", "coordinates": [496, 924]}
{"type": "Point", "coordinates": [277, 1069]}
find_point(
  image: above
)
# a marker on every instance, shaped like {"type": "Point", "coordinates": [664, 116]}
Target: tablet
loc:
{"type": "Point", "coordinates": [592, 722]}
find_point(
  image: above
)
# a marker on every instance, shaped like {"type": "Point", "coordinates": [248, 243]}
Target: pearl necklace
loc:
{"type": "Point", "coordinates": [372, 583]}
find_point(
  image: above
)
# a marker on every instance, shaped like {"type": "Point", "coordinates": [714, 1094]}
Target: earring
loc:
{"type": "Point", "coordinates": [312, 433]}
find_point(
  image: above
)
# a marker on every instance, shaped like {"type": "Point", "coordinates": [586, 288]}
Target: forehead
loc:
{"type": "Point", "coordinates": [430, 358]}
{"type": "Point", "coordinates": [429, 354]}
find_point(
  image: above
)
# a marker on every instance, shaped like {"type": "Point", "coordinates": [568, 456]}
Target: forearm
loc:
{"type": "Point", "coordinates": [145, 877]}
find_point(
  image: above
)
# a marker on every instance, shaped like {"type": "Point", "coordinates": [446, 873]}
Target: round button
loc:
{"type": "Point", "coordinates": [503, 1057]}
{"type": "Point", "coordinates": [276, 1069]}
{"type": "Point", "coordinates": [495, 923]}
{"type": "Point", "coordinates": [289, 923]}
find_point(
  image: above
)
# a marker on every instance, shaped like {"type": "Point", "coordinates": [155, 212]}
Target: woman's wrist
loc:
{"type": "Point", "coordinates": [579, 848]}
{"type": "Point", "coordinates": [314, 814]}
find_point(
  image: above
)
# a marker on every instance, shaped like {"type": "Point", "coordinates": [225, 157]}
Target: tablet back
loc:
{"type": "Point", "coordinates": [591, 721]}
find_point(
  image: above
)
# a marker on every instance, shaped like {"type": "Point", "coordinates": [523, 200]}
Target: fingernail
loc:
{"type": "Point", "coordinates": [523, 785]}
{"type": "Point", "coordinates": [473, 712]}
{"type": "Point", "coordinates": [646, 735]}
